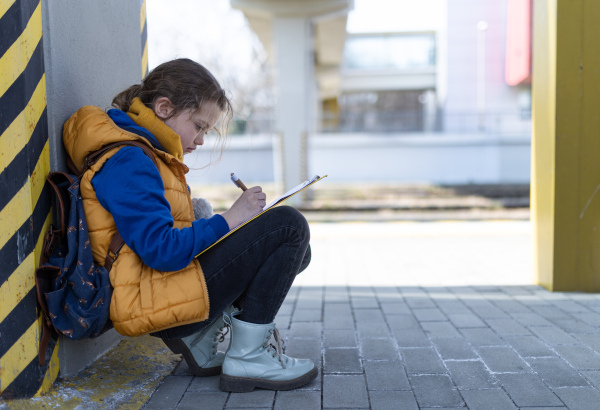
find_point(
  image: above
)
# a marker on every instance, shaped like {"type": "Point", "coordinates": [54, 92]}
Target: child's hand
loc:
{"type": "Point", "coordinates": [249, 204]}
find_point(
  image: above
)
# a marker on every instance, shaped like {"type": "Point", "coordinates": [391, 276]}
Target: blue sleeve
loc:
{"type": "Point", "coordinates": [130, 187]}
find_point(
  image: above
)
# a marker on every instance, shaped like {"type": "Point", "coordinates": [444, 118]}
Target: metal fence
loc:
{"type": "Point", "coordinates": [397, 122]}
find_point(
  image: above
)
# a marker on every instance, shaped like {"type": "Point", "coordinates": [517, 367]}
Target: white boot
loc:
{"type": "Point", "coordinates": [200, 349]}
{"type": "Point", "coordinates": [251, 361]}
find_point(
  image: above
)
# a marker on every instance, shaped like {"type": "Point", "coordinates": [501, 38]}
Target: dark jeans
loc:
{"type": "Point", "coordinates": [253, 268]}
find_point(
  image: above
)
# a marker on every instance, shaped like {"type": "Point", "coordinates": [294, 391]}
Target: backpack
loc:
{"type": "Point", "coordinates": [73, 291]}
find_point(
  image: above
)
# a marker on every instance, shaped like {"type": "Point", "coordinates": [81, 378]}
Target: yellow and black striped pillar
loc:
{"type": "Point", "coordinates": [24, 201]}
{"type": "Point", "coordinates": [144, 35]}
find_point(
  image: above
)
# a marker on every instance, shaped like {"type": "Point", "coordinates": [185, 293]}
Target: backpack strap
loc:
{"type": "Point", "coordinates": [93, 157]}
{"type": "Point", "coordinates": [117, 241]}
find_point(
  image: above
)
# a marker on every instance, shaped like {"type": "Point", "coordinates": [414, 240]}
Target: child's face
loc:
{"type": "Point", "coordinates": [192, 125]}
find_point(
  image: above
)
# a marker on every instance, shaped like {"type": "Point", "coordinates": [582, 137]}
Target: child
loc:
{"type": "Point", "coordinates": [160, 287]}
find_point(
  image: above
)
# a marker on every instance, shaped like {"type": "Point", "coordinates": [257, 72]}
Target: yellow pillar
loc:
{"type": "Point", "coordinates": [565, 185]}
{"type": "Point", "coordinates": [144, 36]}
{"type": "Point", "coordinates": [24, 199]}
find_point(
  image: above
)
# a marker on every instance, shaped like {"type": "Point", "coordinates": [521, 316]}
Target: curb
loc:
{"type": "Point", "coordinates": [123, 378]}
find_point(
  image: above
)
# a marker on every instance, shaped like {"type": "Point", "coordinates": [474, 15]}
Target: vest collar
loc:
{"type": "Point", "coordinates": [167, 138]}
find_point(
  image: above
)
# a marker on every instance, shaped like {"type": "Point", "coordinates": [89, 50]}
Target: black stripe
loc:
{"type": "Point", "coordinates": [14, 21]}
{"type": "Point", "coordinates": [23, 242]}
{"type": "Point", "coordinates": [28, 382]}
{"type": "Point", "coordinates": [15, 174]}
{"type": "Point", "coordinates": [15, 99]}
{"type": "Point", "coordinates": [18, 321]}
{"type": "Point", "coordinates": [144, 36]}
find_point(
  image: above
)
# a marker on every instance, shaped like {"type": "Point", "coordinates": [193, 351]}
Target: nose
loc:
{"type": "Point", "coordinates": [199, 140]}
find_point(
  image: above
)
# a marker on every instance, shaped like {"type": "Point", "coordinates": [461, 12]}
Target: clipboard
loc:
{"type": "Point", "coordinates": [270, 206]}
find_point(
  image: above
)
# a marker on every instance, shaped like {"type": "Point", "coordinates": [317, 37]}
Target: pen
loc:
{"type": "Point", "coordinates": [238, 182]}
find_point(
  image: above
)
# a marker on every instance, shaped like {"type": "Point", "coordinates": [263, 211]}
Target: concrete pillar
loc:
{"type": "Point", "coordinates": [294, 91]}
{"type": "Point", "coordinates": [565, 180]}
{"type": "Point", "coordinates": [285, 27]}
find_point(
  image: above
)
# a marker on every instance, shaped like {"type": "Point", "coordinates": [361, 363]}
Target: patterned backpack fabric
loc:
{"type": "Point", "coordinates": [73, 291]}
{"type": "Point", "coordinates": [79, 303]}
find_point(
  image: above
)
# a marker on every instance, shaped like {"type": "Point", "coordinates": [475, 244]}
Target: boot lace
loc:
{"type": "Point", "coordinates": [278, 348]}
{"type": "Point", "coordinates": [220, 335]}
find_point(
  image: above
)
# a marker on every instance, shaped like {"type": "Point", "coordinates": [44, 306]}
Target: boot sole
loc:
{"type": "Point", "coordinates": [245, 384]}
{"type": "Point", "coordinates": [178, 347]}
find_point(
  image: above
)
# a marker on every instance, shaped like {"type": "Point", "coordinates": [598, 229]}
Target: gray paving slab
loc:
{"type": "Point", "coordinates": [528, 390]}
{"type": "Point", "coordinates": [529, 346]}
{"type": "Point", "coordinates": [306, 330]}
{"type": "Point", "coordinates": [422, 361]}
{"type": "Point", "coordinates": [435, 391]}
{"type": "Point", "coordinates": [489, 399]}
{"type": "Point", "coordinates": [379, 349]}
{"type": "Point", "coordinates": [482, 337]}
{"type": "Point", "coordinates": [530, 319]}
{"type": "Point", "coordinates": [256, 399]}
{"type": "Point", "coordinates": [307, 348]}
{"type": "Point", "coordinates": [502, 359]}
{"type": "Point", "coordinates": [555, 372]}
{"type": "Point", "coordinates": [452, 307]}
{"type": "Point", "coordinates": [553, 335]}
{"type": "Point", "coordinates": [386, 375]}
{"type": "Point", "coordinates": [418, 342]}
{"type": "Point", "coordinates": [580, 357]}
{"type": "Point", "coordinates": [511, 306]}
{"type": "Point", "coordinates": [298, 400]}
{"type": "Point", "coordinates": [411, 338]}
{"type": "Point", "coordinates": [472, 374]}
{"type": "Point", "coordinates": [454, 349]}
{"type": "Point", "coordinates": [575, 327]}
{"type": "Point", "coordinates": [395, 308]}
{"type": "Point", "coordinates": [342, 361]}
{"type": "Point", "coordinates": [169, 393]}
{"type": "Point", "coordinates": [586, 398]}
{"type": "Point", "coordinates": [429, 315]}
{"type": "Point", "coordinates": [440, 329]}
{"type": "Point", "coordinates": [192, 400]}
{"type": "Point", "coordinates": [307, 315]}
{"type": "Point", "coordinates": [465, 320]}
{"type": "Point", "coordinates": [385, 400]}
{"type": "Point", "coordinates": [402, 322]}
{"type": "Point", "coordinates": [345, 391]}
{"type": "Point", "coordinates": [339, 338]}
{"type": "Point", "coordinates": [338, 316]}
{"type": "Point", "coordinates": [507, 327]}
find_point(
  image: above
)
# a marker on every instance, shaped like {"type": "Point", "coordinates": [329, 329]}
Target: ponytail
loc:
{"type": "Point", "coordinates": [124, 99]}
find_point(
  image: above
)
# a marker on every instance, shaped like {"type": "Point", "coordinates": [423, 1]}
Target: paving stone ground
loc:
{"type": "Point", "coordinates": [424, 315]}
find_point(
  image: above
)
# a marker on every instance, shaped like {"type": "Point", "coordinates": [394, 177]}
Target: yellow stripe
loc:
{"type": "Point", "coordinates": [19, 355]}
{"type": "Point", "coordinates": [17, 135]}
{"type": "Point", "coordinates": [14, 61]}
{"type": "Point", "coordinates": [143, 16]}
{"type": "Point", "coordinates": [5, 5]}
{"type": "Point", "coordinates": [145, 61]}
{"type": "Point", "coordinates": [22, 280]}
{"type": "Point", "coordinates": [40, 172]}
{"type": "Point", "coordinates": [51, 372]}
{"type": "Point", "coordinates": [20, 208]}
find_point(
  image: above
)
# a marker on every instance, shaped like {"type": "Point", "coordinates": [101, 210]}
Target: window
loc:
{"type": "Point", "coordinates": [389, 51]}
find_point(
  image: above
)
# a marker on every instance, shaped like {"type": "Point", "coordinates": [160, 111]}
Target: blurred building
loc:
{"type": "Point", "coordinates": [435, 92]}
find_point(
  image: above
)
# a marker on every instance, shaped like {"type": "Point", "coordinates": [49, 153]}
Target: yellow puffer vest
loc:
{"type": "Point", "coordinates": [144, 300]}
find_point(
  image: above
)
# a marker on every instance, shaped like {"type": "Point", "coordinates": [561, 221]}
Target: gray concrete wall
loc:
{"type": "Point", "coordinates": [92, 51]}
{"type": "Point", "coordinates": [402, 158]}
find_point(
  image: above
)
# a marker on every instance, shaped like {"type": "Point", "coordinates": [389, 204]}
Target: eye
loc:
{"type": "Point", "coordinates": [199, 127]}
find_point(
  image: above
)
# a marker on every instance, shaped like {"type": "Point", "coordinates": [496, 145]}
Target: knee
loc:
{"type": "Point", "coordinates": [293, 218]}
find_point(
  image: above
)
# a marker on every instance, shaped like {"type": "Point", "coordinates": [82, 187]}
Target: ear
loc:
{"type": "Point", "coordinates": [163, 108]}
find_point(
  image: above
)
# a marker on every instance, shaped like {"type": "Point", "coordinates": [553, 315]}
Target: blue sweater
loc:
{"type": "Point", "coordinates": [130, 187]}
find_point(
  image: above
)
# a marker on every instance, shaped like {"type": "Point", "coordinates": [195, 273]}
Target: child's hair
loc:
{"type": "Point", "coordinates": [185, 83]}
